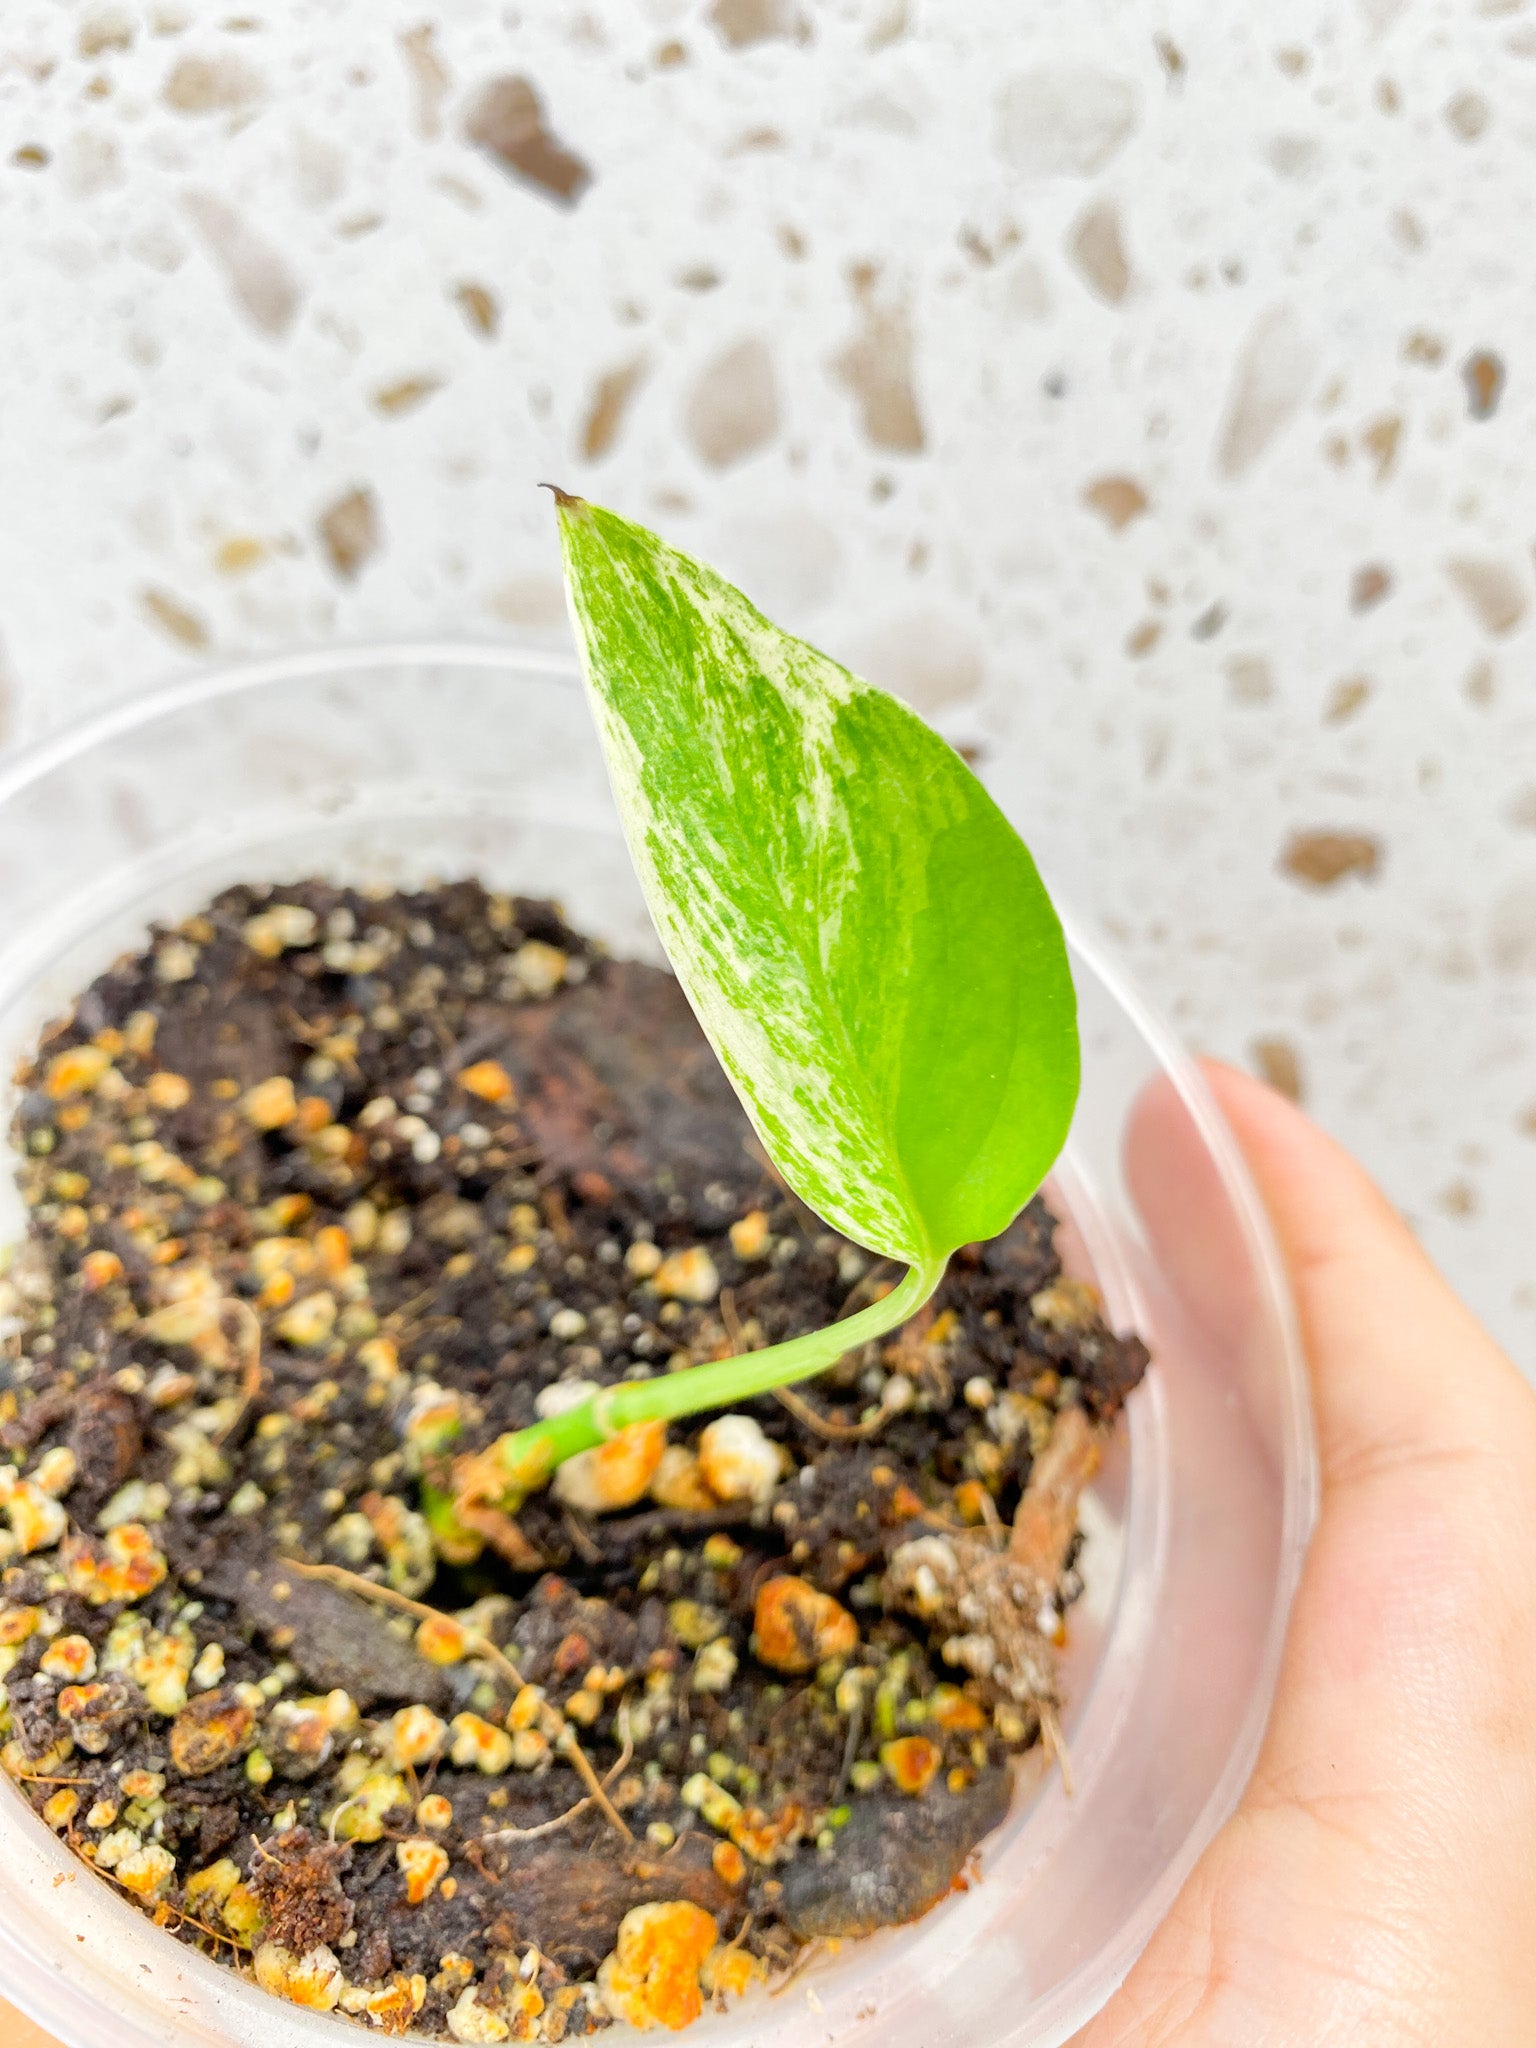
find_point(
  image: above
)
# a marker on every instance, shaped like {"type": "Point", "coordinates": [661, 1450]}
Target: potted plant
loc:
{"type": "Point", "coordinates": [539, 1716]}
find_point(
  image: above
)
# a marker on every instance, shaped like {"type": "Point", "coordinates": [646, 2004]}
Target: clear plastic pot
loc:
{"type": "Point", "coordinates": [403, 763]}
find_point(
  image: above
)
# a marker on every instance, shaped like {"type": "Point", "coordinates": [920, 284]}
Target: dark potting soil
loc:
{"type": "Point", "coordinates": [326, 1189]}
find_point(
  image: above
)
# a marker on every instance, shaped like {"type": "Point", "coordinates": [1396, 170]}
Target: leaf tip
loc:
{"type": "Point", "coordinates": [565, 501]}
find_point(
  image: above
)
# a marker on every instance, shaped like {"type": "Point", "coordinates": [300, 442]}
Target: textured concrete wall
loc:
{"type": "Point", "coordinates": [1144, 390]}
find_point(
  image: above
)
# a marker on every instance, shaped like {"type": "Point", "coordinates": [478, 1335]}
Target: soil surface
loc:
{"type": "Point", "coordinates": [328, 1189]}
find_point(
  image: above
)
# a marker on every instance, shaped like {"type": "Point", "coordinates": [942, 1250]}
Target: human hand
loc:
{"type": "Point", "coordinates": [1377, 1886]}
{"type": "Point", "coordinates": [17, 2032]}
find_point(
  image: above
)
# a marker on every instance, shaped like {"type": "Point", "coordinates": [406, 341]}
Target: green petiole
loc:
{"type": "Point", "coordinates": [527, 1457]}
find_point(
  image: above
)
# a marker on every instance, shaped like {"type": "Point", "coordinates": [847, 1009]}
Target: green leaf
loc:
{"type": "Point", "coordinates": [861, 931]}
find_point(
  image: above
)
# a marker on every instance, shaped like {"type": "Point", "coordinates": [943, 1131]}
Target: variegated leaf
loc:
{"type": "Point", "coordinates": [862, 933]}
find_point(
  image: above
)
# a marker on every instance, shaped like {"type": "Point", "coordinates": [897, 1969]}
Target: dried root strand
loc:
{"type": "Point", "coordinates": [994, 1604]}
{"type": "Point", "coordinates": [370, 1589]}
{"type": "Point", "coordinates": [735, 1334]}
{"type": "Point", "coordinates": [501, 1532]}
{"type": "Point", "coordinates": [913, 1355]}
{"type": "Point", "coordinates": [1046, 1519]}
{"type": "Point", "coordinates": [721, 2000]}
{"type": "Point", "coordinates": [597, 1793]}
{"type": "Point", "coordinates": [545, 1827]}
{"type": "Point", "coordinates": [797, 1967]}
{"type": "Point", "coordinates": [249, 1324]}
{"type": "Point", "coordinates": [616, 1769]}
{"type": "Point", "coordinates": [1056, 1746]}
{"type": "Point", "coordinates": [581, 1542]}
{"type": "Point", "coordinates": [823, 1426]}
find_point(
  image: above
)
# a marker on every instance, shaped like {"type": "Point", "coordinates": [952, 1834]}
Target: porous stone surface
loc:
{"type": "Point", "coordinates": [1141, 394]}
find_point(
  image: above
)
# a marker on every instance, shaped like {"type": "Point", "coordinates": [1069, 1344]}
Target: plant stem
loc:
{"type": "Point", "coordinates": [455, 1543]}
{"type": "Point", "coordinates": [527, 1457]}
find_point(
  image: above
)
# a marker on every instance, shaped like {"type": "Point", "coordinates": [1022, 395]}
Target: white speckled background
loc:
{"type": "Point", "coordinates": [1147, 391]}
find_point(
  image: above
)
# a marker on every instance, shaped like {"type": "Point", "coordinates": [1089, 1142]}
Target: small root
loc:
{"type": "Point", "coordinates": [340, 1810]}
{"type": "Point", "coordinates": [721, 2001]}
{"type": "Point", "coordinates": [993, 1520]}
{"type": "Point", "coordinates": [1056, 1745]}
{"type": "Point", "coordinates": [797, 1968]}
{"type": "Point", "coordinates": [214, 1934]}
{"type": "Point", "coordinates": [912, 1354]}
{"type": "Point", "coordinates": [370, 1589]}
{"type": "Point", "coordinates": [1046, 1519]}
{"type": "Point", "coordinates": [937, 1521]}
{"type": "Point", "coordinates": [834, 1432]}
{"type": "Point", "coordinates": [567, 1745]}
{"type": "Point", "coordinates": [497, 1528]}
{"type": "Point", "coordinates": [545, 1827]}
{"type": "Point", "coordinates": [627, 1745]}
{"type": "Point", "coordinates": [552, 1202]}
{"type": "Point", "coordinates": [250, 1365]}
{"type": "Point", "coordinates": [474, 1853]}
{"type": "Point", "coordinates": [732, 1322]}
{"type": "Point", "coordinates": [399, 1318]}
{"type": "Point", "coordinates": [581, 1542]}
{"type": "Point", "coordinates": [165, 1914]}
{"type": "Point", "coordinates": [548, 1827]}
{"type": "Point", "coordinates": [869, 1286]}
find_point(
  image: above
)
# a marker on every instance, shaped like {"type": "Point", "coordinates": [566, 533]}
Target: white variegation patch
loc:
{"type": "Point", "coordinates": [749, 987]}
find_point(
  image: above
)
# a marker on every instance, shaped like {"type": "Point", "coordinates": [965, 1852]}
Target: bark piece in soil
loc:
{"type": "Point", "coordinates": [624, 1054]}
{"type": "Point", "coordinates": [571, 1902]}
{"type": "Point", "coordinates": [897, 1857]}
{"type": "Point", "coordinates": [106, 1439]}
{"type": "Point", "coordinates": [335, 1638]}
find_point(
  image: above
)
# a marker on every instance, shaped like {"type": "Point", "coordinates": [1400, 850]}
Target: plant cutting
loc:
{"type": "Point", "coordinates": [861, 932]}
{"type": "Point", "coordinates": [532, 1504]}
